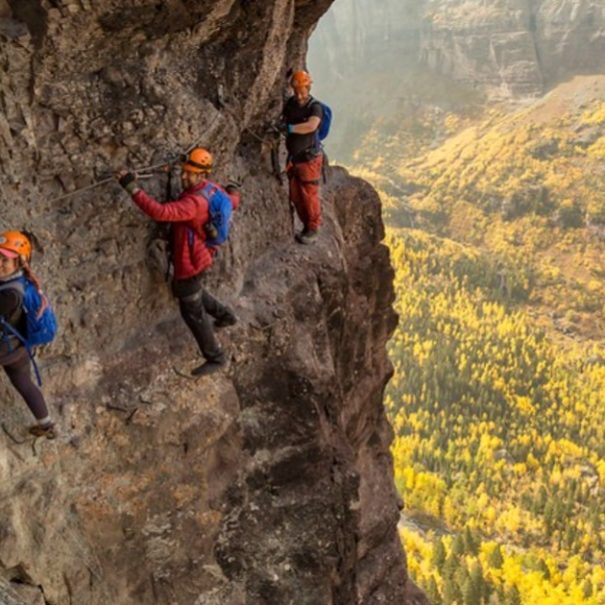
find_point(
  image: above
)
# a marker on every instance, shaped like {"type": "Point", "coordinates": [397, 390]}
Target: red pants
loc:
{"type": "Point", "coordinates": [304, 191]}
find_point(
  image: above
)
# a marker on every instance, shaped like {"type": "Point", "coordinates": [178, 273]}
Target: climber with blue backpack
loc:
{"type": "Point", "coordinates": [306, 122]}
{"type": "Point", "coordinates": [26, 321]}
{"type": "Point", "coordinates": [200, 220]}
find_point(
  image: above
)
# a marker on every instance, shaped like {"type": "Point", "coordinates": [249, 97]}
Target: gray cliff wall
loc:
{"type": "Point", "coordinates": [515, 47]}
{"type": "Point", "coordinates": [271, 483]}
{"type": "Point", "coordinates": [510, 47]}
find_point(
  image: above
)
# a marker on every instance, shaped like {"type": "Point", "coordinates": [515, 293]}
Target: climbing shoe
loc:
{"type": "Point", "coordinates": [307, 236]}
{"type": "Point", "coordinates": [225, 321]}
{"type": "Point", "coordinates": [46, 430]}
{"type": "Point", "coordinates": [208, 368]}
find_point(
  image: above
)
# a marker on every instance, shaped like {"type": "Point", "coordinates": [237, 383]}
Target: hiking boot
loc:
{"type": "Point", "coordinates": [46, 430]}
{"type": "Point", "coordinates": [225, 321]}
{"type": "Point", "coordinates": [307, 236]}
{"type": "Point", "coordinates": [207, 368]}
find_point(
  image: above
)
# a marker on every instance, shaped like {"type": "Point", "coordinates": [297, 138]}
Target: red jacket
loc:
{"type": "Point", "coordinates": [188, 214]}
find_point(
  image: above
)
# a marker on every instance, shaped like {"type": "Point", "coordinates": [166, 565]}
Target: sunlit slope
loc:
{"type": "Point", "coordinates": [500, 435]}
{"type": "Point", "coordinates": [528, 188]}
{"type": "Point", "coordinates": [545, 160]}
{"type": "Point", "coordinates": [498, 397]}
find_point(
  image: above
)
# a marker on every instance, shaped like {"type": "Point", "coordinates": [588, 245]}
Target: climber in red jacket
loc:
{"type": "Point", "coordinates": [191, 255]}
{"type": "Point", "coordinates": [302, 117]}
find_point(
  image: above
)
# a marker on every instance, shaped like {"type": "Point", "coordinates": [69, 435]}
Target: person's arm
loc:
{"type": "Point", "coordinates": [187, 207]}
{"type": "Point", "coordinates": [183, 209]}
{"type": "Point", "coordinates": [311, 125]}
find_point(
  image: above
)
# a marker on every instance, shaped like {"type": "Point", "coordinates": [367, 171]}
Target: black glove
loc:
{"type": "Point", "coordinates": [232, 187]}
{"type": "Point", "coordinates": [129, 182]}
{"type": "Point", "coordinates": [127, 179]}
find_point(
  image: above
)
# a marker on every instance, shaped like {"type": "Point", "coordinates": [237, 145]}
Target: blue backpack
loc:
{"type": "Point", "coordinates": [326, 121]}
{"type": "Point", "coordinates": [220, 210]}
{"type": "Point", "coordinates": [39, 329]}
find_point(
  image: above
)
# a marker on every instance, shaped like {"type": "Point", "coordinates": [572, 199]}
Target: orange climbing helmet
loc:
{"type": "Point", "coordinates": [15, 244]}
{"type": "Point", "coordinates": [198, 160]}
{"type": "Point", "coordinates": [300, 79]}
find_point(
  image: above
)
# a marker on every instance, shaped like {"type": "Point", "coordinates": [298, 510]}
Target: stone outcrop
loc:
{"type": "Point", "coordinates": [271, 483]}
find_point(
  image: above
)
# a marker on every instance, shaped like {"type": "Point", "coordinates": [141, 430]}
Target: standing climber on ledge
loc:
{"type": "Point", "coordinates": [191, 253]}
{"type": "Point", "coordinates": [15, 254]}
{"type": "Point", "coordinates": [302, 116]}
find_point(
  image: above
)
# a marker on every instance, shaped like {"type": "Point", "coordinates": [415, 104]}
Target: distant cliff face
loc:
{"type": "Point", "coordinates": [515, 47]}
{"type": "Point", "coordinates": [270, 483]}
{"type": "Point", "coordinates": [385, 64]}
{"type": "Point", "coordinates": [511, 47]}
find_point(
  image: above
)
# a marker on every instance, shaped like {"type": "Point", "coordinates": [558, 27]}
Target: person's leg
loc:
{"type": "Point", "coordinates": [198, 321]}
{"type": "Point", "coordinates": [296, 195]}
{"type": "Point", "coordinates": [19, 373]}
{"type": "Point", "coordinates": [223, 315]}
{"type": "Point", "coordinates": [309, 176]}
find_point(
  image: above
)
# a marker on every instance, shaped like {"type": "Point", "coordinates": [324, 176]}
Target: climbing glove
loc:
{"type": "Point", "coordinates": [232, 187]}
{"type": "Point", "coordinates": [129, 182]}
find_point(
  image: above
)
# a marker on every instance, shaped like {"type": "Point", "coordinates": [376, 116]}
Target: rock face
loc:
{"type": "Point", "coordinates": [510, 47]}
{"type": "Point", "coordinates": [271, 483]}
{"type": "Point", "coordinates": [515, 47]}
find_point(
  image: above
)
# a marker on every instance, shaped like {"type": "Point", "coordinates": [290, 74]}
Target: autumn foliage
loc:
{"type": "Point", "coordinates": [497, 234]}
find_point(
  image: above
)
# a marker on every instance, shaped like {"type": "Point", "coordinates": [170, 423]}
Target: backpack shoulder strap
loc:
{"type": "Point", "coordinates": [209, 190]}
{"type": "Point", "coordinates": [17, 283]}
{"type": "Point", "coordinates": [313, 101]}
{"type": "Point", "coordinates": [207, 193]}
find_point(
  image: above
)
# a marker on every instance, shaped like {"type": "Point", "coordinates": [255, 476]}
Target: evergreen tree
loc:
{"type": "Point", "coordinates": [476, 576]}
{"type": "Point", "coordinates": [471, 542]}
{"type": "Point", "coordinates": [450, 567]}
{"type": "Point", "coordinates": [439, 555]}
{"type": "Point", "coordinates": [432, 592]}
{"type": "Point", "coordinates": [471, 594]}
{"type": "Point", "coordinates": [543, 568]}
{"type": "Point", "coordinates": [549, 519]}
{"type": "Point", "coordinates": [462, 576]}
{"type": "Point", "coordinates": [458, 546]}
{"type": "Point", "coordinates": [495, 558]}
{"type": "Point", "coordinates": [513, 597]}
{"type": "Point", "coordinates": [451, 592]}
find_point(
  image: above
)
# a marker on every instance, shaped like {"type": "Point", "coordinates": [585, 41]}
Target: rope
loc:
{"type": "Point", "coordinates": [81, 189]}
{"type": "Point", "coordinates": [110, 179]}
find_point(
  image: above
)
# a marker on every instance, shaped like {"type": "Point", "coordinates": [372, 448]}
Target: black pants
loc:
{"type": "Point", "coordinates": [197, 307]}
{"type": "Point", "coordinates": [18, 369]}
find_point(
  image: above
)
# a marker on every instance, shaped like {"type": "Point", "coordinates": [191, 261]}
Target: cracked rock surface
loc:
{"type": "Point", "coordinates": [268, 483]}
